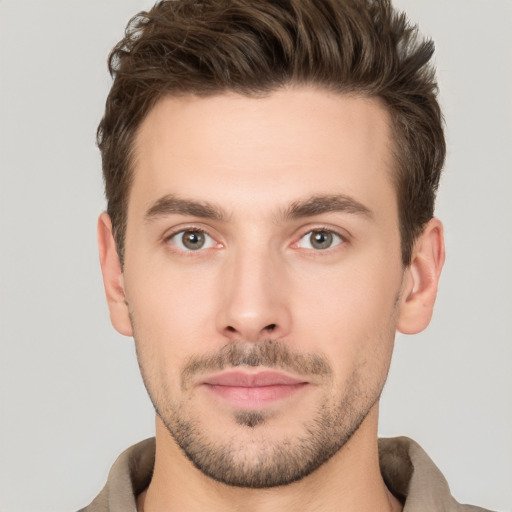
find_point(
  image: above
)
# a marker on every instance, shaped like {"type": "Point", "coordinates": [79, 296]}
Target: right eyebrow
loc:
{"type": "Point", "coordinates": [171, 204]}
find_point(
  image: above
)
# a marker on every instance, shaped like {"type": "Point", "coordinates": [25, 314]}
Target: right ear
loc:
{"type": "Point", "coordinates": [113, 278]}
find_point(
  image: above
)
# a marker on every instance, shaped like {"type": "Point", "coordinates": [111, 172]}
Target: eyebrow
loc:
{"type": "Point", "coordinates": [317, 205]}
{"type": "Point", "coordinates": [171, 204]}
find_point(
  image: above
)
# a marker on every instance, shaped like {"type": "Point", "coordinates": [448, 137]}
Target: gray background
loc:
{"type": "Point", "coordinates": [71, 395]}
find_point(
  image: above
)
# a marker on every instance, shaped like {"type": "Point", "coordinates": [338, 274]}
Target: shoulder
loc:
{"type": "Point", "coordinates": [129, 476]}
{"type": "Point", "coordinates": [412, 477]}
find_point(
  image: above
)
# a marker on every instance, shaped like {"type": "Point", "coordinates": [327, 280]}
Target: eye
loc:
{"type": "Point", "coordinates": [192, 240]}
{"type": "Point", "coordinates": [319, 239]}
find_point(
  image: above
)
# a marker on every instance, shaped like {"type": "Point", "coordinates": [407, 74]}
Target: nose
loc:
{"type": "Point", "coordinates": [254, 303]}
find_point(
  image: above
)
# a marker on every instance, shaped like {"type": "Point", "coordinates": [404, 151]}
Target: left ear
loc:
{"type": "Point", "coordinates": [421, 278]}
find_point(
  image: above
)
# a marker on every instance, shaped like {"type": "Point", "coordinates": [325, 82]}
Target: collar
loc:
{"type": "Point", "coordinates": [408, 472]}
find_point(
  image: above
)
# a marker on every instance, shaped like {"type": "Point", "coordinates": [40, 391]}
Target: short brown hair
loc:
{"type": "Point", "coordinates": [208, 47]}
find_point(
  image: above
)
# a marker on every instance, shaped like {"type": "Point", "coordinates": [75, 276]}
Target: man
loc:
{"type": "Point", "coordinates": [270, 171]}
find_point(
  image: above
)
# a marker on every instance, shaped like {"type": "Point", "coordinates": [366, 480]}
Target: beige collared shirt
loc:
{"type": "Point", "coordinates": [407, 470]}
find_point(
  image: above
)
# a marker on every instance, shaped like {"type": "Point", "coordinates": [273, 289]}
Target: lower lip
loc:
{"type": "Point", "coordinates": [254, 397]}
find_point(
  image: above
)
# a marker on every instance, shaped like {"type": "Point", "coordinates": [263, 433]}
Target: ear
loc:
{"type": "Point", "coordinates": [421, 278]}
{"type": "Point", "coordinates": [113, 278]}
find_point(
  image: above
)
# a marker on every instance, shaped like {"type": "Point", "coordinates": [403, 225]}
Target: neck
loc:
{"type": "Point", "coordinates": [350, 481]}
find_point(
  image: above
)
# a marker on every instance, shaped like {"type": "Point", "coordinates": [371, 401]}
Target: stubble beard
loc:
{"type": "Point", "coordinates": [261, 461]}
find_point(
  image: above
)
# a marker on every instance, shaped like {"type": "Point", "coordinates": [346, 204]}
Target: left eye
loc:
{"type": "Point", "coordinates": [192, 240]}
{"type": "Point", "coordinates": [319, 240]}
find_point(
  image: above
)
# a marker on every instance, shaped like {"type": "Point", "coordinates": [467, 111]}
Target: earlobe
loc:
{"type": "Point", "coordinates": [113, 279]}
{"type": "Point", "coordinates": [421, 279]}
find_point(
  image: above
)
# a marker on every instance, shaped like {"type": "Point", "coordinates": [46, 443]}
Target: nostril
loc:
{"type": "Point", "coordinates": [245, 332]}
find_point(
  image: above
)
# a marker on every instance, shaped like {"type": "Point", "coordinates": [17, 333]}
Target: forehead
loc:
{"type": "Point", "coordinates": [240, 150]}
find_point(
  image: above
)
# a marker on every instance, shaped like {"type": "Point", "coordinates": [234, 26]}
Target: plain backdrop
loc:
{"type": "Point", "coordinates": [71, 395]}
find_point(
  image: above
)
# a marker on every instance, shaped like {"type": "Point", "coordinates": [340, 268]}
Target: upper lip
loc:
{"type": "Point", "coordinates": [250, 380]}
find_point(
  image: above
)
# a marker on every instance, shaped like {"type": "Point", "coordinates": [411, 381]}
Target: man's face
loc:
{"type": "Point", "coordinates": [263, 276]}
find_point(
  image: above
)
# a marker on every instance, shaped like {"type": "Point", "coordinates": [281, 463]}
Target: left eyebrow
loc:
{"type": "Point", "coordinates": [317, 205]}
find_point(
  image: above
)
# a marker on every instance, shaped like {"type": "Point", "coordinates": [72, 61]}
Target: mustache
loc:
{"type": "Point", "coordinates": [268, 353]}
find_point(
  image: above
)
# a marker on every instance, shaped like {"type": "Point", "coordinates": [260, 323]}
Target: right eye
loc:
{"type": "Point", "coordinates": [192, 240]}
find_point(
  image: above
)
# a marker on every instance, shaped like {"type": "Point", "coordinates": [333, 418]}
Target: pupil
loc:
{"type": "Point", "coordinates": [193, 240]}
{"type": "Point", "coordinates": [321, 239]}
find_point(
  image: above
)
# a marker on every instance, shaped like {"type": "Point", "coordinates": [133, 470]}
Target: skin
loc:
{"type": "Point", "coordinates": [259, 280]}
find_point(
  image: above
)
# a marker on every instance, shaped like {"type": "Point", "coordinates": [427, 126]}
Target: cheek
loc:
{"type": "Point", "coordinates": [171, 313]}
{"type": "Point", "coordinates": [350, 313]}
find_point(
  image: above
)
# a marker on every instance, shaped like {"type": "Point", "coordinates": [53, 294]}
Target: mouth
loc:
{"type": "Point", "coordinates": [253, 390]}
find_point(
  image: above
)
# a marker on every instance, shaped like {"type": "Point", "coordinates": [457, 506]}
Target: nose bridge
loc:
{"type": "Point", "coordinates": [254, 303]}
